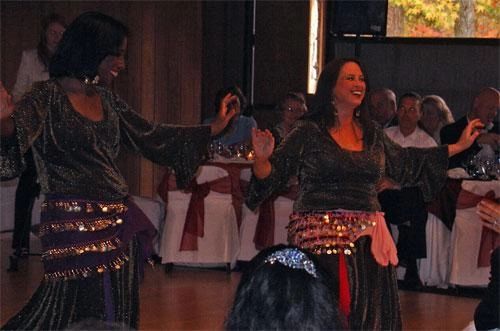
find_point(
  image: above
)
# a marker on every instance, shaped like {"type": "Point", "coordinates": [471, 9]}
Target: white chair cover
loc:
{"type": "Point", "coordinates": [466, 239]}
{"type": "Point", "coordinates": [220, 244]}
{"type": "Point", "coordinates": [283, 207]}
{"type": "Point", "coordinates": [435, 268]}
{"type": "Point", "coordinates": [7, 201]}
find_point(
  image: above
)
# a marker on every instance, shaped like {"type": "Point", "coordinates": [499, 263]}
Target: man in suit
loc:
{"type": "Point", "coordinates": [485, 107]}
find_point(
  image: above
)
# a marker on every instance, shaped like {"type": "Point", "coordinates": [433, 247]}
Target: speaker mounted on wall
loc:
{"type": "Point", "coordinates": [358, 17]}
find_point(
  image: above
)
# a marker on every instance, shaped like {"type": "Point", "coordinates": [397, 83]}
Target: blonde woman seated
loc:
{"type": "Point", "coordinates": [435, 115]}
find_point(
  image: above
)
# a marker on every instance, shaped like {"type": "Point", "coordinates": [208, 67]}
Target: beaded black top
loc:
{"type": "Point", "coordinates": [76, 156]}
{"type": "Point", "coordinates": [331, 177]}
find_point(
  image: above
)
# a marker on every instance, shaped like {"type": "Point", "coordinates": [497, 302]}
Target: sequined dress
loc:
{"type": "Point", "coordinates": [332, 178]}
{"type": "Point", "coordinates": [93, 236]}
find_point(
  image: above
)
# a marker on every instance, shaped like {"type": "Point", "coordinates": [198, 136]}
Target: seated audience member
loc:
{"type": "Point", "coordinates": [239, 129]}
{"type": "Point", "coordinates": [486, 315]}
{"type": "Point", "coordinates": [435, 115]}
{"type": "Point", "coordinates": [284, 288]}
{"type": "Point", "coordinates": [291, 108]}
{"type": "Point", "coordinates": [407, 205]}
{"type": "Point", "coordinates": [485, 107]}
{"type": "Point", "coordinates": [382, 107]}
{"type": "Point", "coordinates": [407, 133]}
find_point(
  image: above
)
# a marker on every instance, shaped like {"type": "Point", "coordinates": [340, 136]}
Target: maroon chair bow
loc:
{"type": "Point", "coordinates": [264, 231]}
{"type": "Point", "coordinates": [195, 216]}
{"type": "Point", "coordinates": [489, 238]}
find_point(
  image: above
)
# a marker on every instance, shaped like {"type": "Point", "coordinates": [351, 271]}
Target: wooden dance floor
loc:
{"type": "Point", "coordinates": [198, 299]}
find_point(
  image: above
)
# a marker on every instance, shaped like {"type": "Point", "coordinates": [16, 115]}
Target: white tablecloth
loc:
{"type": "Point", "coordinates": [434, 269]}
{"type": "Point", "coordinates": [466, 239]}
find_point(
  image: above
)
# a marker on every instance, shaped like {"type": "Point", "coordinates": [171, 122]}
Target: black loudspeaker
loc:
{"type": "Point", "coordinates": [358, 17]}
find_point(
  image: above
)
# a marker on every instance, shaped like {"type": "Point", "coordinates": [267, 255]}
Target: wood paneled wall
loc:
{"type": "Point", "coordinates": [163, 76]}
{"type": "Point", "coordinates": [181, 52]}
{"type": "Point", "coordinates": [281, 49]}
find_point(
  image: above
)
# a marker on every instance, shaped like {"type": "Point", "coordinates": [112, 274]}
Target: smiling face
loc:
{"type": "Point", "coordinates": [350, 88]}
{"type": "Point", "coordinates": [111, 66]}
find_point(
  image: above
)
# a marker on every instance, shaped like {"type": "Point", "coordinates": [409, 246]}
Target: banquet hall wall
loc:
{"type": "Point", "coordinates": [181, 52]}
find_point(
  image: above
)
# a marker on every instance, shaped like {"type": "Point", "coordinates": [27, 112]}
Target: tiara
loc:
{"type": "Point", "coordinates": [293, 258]}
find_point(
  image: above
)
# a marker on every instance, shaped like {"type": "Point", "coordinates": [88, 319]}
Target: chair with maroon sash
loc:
{"type": "Point", "coordinates": [202, 223]}
{"type": "Point", "coordinates": [266, 226]}
{"type": "Point", "coordinates": [471, 243]}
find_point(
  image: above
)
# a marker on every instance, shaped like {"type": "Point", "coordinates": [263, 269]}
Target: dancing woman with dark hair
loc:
{"type": "Point", "coordinates": [339, 156]}
{"type": "Point", "coordinates": [94, 238]}
{"type": "Point", "coordinates": [284, 288]}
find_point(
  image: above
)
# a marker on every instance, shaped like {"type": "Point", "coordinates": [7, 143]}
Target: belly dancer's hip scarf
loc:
{"type": "Point", "coordinates": [329, 232]}
{"type": "Point", "coordinates": [82, 238]}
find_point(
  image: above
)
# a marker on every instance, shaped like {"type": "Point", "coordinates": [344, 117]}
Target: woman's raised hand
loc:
{"type": "Point", "coordinates": [469, 134]}
{"type": "Point", "coordinates": [224, 115]}
{"type": "Point", "coordinates": [489, 212]}
{"type": "Point", "coordinates": [6, 103]}
{"type": "Point", "coordinates": [262, 143]}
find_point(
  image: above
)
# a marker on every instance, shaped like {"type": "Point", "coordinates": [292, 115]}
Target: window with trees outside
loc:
{"type": "Point", "coordinates": [443, 18]}
{"type": "Point", "coordinates": [414, 19]}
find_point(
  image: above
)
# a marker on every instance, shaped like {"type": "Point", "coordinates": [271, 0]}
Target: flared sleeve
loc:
{"type": "Point", "coordinates": [181, 148]}
{"type": "Point", "coordinates": [422, 167]}
{"type": "Point", "coordinates": [29, 117]}
{"type": "Point", "coordinates": [285, 163]}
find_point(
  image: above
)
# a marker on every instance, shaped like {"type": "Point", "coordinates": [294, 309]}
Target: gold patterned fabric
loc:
{"type": "Point", "coordinates": [332, 232]}
{"type": "Point", "coordinates": [75, 155]}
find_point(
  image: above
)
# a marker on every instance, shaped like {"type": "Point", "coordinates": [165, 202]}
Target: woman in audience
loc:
{"type": "Point", "coordinates": [435, 115]}
{"type": "Point", "coordinates": [284, 288]}
{"type": "Point", "coordinates": [291, 108]}
{"type": "Point", "coordinates": [34, 67]}
{"type": "Point", "coordinates": [94, 238]}
{"type": "Point", "coordinates": [239, 129]}
{"type": "Point", "coordinates": [339, 156]}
